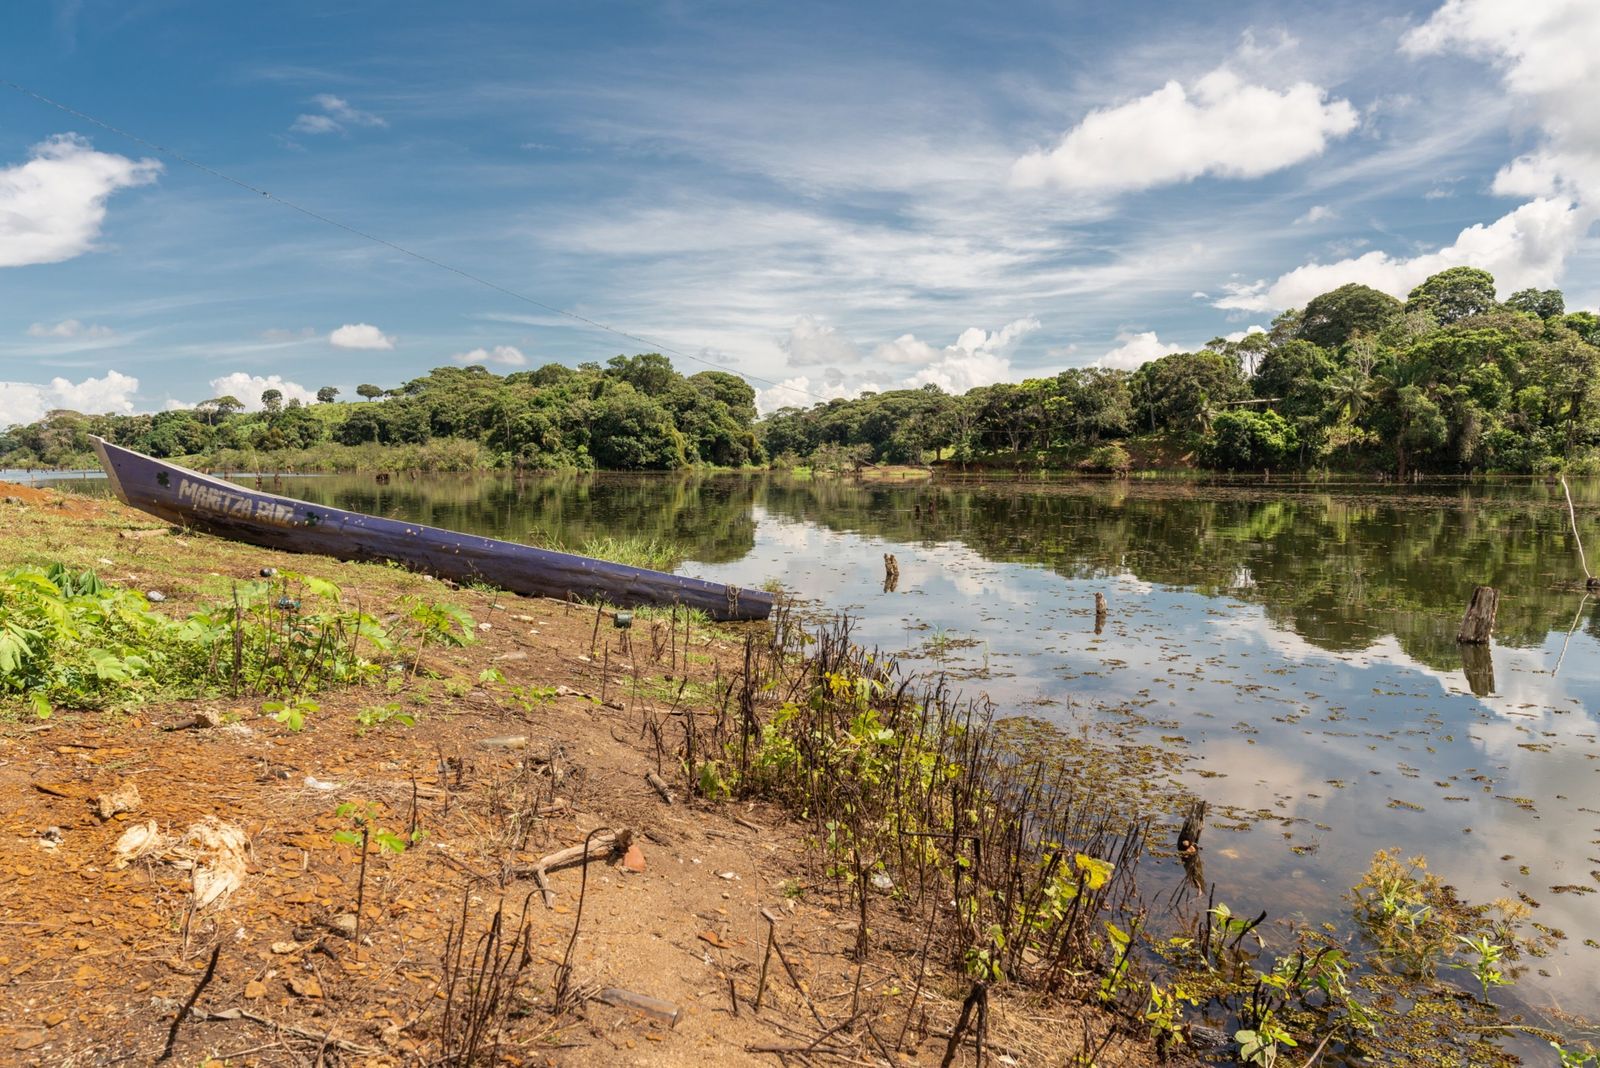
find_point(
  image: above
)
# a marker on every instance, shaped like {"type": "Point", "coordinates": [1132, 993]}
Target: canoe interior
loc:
{"type": "Point", "coordinates": [191, 499]}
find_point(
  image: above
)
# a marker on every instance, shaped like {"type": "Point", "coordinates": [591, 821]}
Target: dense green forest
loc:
{"type": "Point", "coordinates": [1449, 381]}
{"type": "Point", "coordinates": [636, 413]}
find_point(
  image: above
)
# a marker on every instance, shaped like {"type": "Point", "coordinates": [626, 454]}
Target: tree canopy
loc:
{"type": "Point", "coordinates": [1451, 381]}
{"type": "Point", "coordinates": [637, 413]}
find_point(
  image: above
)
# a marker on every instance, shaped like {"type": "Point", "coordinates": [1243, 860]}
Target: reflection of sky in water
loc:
{"type": "Point", "coordinates": [1346, 740]}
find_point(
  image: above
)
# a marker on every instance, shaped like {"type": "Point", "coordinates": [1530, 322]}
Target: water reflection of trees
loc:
{"type": "Point", "coordinates": [1340, 572]}
{"type": "Point", "coordinates": [711, 516]}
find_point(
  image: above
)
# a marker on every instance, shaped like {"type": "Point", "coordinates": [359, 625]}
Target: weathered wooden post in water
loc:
{"type": "Point", "coordinates": [1478, 624]}
{"type": "Point", "coordinates": [891, 572]}
{"type": "Point", "coordinates": [1099, 612]}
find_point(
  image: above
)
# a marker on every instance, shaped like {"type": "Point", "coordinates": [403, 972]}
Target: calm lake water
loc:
{"type": "Point", "coordinates": [1295, 642]}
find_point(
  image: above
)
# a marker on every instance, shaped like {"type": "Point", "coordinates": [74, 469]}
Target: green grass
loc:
{"type": "Point", "coordinates": [634, 550]}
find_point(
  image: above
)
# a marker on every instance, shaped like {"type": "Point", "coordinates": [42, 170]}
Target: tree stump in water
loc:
{"type": "Point", "coordinates": [1478, 624]}
{"type": "Point", "coordinates": [891, 573]}
{"type": "Point", "coordinates": [1099, 612]}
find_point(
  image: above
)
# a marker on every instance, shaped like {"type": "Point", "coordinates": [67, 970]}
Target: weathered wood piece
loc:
{"type": "Point", "coordinates": [190, 499]}
{"type": "Point", "coordinates": [665, 1011]}
{"type": "Point", "coordinates": [1478, 624]}
{"type": "Point", "coordinates": [604, 844]}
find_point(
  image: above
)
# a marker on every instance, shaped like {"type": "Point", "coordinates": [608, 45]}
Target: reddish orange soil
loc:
{"type": "Point", "coordinates": [96, 962]}
{"type": "Point", "coordinates": [67, 504]}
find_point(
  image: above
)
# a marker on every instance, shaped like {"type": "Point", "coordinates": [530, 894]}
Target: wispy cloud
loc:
{"type": "Point", "coordinates": [69, 328]}
{"type": "Point", "coordinates": [334, 115]}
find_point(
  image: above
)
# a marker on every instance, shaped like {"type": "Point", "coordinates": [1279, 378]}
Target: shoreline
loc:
{"type": "Point", "coordinates": [687, 929]}
{"type": "Point", "coordinates": [589, 724]}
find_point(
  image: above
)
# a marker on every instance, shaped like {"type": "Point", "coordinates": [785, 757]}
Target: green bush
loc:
{"type": "Point", "coordinates": [69, 640]}
{"type": "Point", "coordinates": [1109, 457]}
{"type": "Point", "coordinates": [1244, 440]}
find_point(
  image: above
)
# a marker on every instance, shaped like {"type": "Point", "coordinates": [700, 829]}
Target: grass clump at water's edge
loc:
{"type": "Point", "coordinates": [631, 550]}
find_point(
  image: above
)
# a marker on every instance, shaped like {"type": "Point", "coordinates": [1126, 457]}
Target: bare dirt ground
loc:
{"type": "Point", "coordinates": [97, 961]}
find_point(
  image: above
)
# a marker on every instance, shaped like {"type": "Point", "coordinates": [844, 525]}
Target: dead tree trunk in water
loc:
{"type": "Point", "coordinates": [1478, 624]}
{"type": "Point", "coordinates": [891, 573]}
{"type": "Point", "coordinates": [1099, 612]}
{"type": "Point", "coordinates": [1590, 581]}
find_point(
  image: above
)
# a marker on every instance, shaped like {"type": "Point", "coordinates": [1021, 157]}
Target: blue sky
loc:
{"type": "Point", "coordinates": [824, 197]}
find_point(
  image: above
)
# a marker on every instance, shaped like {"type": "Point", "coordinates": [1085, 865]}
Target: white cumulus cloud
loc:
{"type": "Point", "coordinates": [247, 388]}
{"type": "Point", "coordinates": [811, 341]}
{"type": "Point", "coordinates": [24, 402]}
{"type": "Point", "coordinates": [1545, 53]}
{"type": "Point", "coordinates": [977, 358]}
{"type": "Point", "coordinates": [801, 392]}
{"type": "Point", "coordinates": [1221, 126]}
{"type": "Point", "coordinates": [335, 116]}
{"type": "Point", "coordinates": [52, 206]}
{"type": "Point", "coordinates": [1136, 349]}
{"type": "Point", "coordinates": [69, 328]}
{"type": "Point", "coordinates": [505, 355]}
{"type": "Point", "coordinates": [1526, 247]}
{"type": "Point", "coordinates": [360, 336]}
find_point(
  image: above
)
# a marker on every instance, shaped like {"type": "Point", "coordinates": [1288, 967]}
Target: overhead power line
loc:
{"type": "Point", "coordinates": [386, 243]}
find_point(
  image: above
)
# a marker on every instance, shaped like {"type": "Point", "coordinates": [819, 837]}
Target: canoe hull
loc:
{"type": "Point", "coordinates": [190, 499]}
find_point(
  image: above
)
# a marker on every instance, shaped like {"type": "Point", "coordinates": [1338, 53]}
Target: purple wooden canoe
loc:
{"type": "Point", "coordinates": [189, 499]}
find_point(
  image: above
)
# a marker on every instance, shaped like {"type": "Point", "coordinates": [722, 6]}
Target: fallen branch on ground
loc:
{"type": "Point", "coordinates": [604, 844]}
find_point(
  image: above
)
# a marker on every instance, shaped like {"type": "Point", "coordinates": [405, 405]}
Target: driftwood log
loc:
{"type": "Point", "coordinates": [1478, 624]}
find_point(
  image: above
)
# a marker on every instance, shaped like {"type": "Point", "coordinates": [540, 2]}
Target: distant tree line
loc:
{"type": "Point", "coordinates": [635, 413]}
{"type": "Point", "coordinates": [1450, 380]}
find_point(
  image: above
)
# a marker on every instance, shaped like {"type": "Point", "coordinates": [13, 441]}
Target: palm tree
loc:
{"type": "Point", "coordinates": [1351, 390]}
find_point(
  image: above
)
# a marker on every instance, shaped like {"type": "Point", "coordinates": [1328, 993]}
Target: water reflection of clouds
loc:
{"type": "Point", "coordinates": [1368, 742]}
